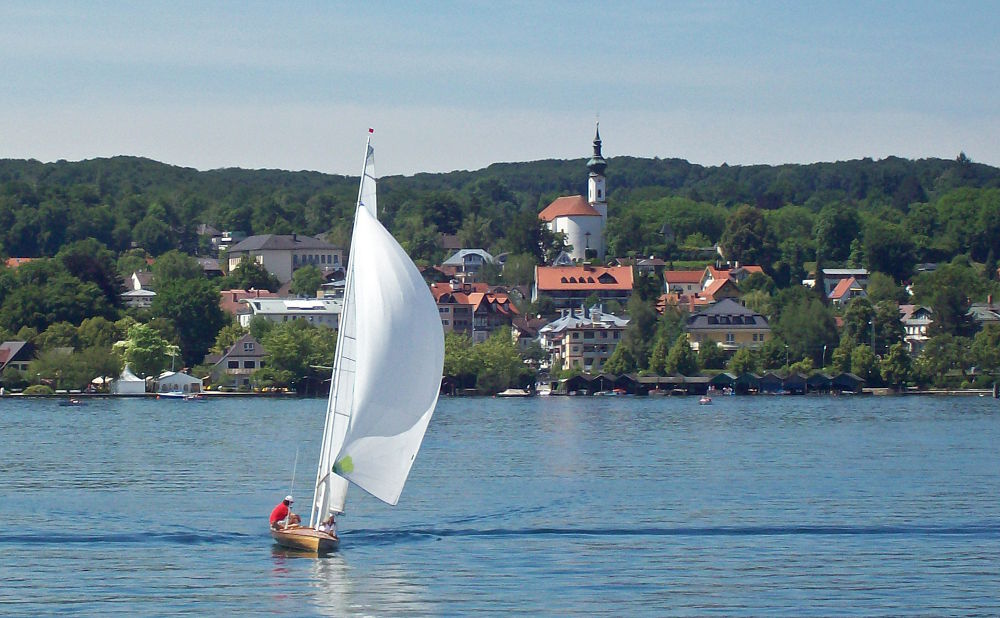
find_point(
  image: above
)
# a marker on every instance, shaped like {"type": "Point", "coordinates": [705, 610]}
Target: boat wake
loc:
{"type": "Point", "coordinates": [123, 538]}
{"type": "Point", "coordinates": [390, 537]}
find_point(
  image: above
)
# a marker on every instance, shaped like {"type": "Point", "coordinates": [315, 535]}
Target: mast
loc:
{"type": "Point", "coordinates": [330, 490]}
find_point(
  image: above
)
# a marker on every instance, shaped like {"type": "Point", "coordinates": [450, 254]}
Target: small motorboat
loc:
{"type": "Point", "coordinates": [73, 401]}
{"type": "Point", "coordinates": [705, 400]}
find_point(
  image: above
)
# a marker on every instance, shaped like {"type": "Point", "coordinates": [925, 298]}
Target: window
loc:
{"type": "Point", "coordinates": [588, 334]}
{"type": "Point", "coordinates": [730, 338]}
{"type": "Point", "coordinates": [576, 335]}
{"type": "Point", "coordinates": [233, 364]}
{"type": "Point", "coordinates": [445, 322]}
{"type": "Point", "coordinates": [248, 346]}
{"type": "Point", "coordinates": [248, 364]}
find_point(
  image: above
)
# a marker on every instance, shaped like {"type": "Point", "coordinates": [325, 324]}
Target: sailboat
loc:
{"type": "Point", "coordinates": [386, 374]}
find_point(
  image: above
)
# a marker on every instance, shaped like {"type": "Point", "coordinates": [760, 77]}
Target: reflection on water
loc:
{"type": "Point", "coordinates": [333, 588]}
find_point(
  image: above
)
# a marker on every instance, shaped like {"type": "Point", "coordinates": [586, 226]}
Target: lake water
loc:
{"type": "Point", "coordinates": [600, 505]}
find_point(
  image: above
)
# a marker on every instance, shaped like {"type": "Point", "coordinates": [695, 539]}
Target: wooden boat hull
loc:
{"type": "Point", "coordinates": [305, 539]}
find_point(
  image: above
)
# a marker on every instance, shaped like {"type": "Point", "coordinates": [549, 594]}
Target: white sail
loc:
{"type": "Point", "coordinates": [387, 370]}
{"type": "Point", "coordinates": [400, 357]}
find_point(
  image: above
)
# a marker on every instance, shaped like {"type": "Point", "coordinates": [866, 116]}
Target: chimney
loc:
{"type": "Point", "coordinates": [295, 237]}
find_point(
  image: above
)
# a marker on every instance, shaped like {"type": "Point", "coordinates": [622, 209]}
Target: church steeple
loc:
{"type": "Point", "coordinates": [596, 193]}
{"type": "Point", "coordinates": [597, 164]}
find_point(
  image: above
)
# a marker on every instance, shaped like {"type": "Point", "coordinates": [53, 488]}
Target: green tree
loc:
{"type": "Point", "coordinates": [193, 307]}
{"type": "Point", "coordinates": [500, 365]}
{"type": "Point", "coordinates": [249, 275]}
{"type": "Point", "coordinates": [837, 225]}
{"type": "Point", "coordinates": [985, 348]}
{"type": "Point", "coordinates": [888, 249]}
{"type": "Point", "coordinates": [58, 335]}
{"type": "Point", "coordinates": [90, 261]}
{"type": "Point", "coordinates": [175, 265]}
{"type": "Point", "coordinates": [947, 291]}
{"type": "Point", "coordinates": [807, 325]}
{"type": "Point", "coordinates": [681, 358]}
{"type": "Point", "coordinates": [863, 363]}
{"type": "Point", "coordinates": [306, 281]}
{"type": "Point", "coordinates": [229, 335]}
{"type": "Point", "coordinates": [747, 238]}
{"type": "Point", "coordinates": [99, 332]}
{"type": "Point", "coordinates": [145, 351]}
{"type": "Point", "coordinates": [711, 355]}
{"type": "Point", "coordinates": [743, 361]}
{"type": "Point", "coordinates": [519, 269]}
{"type": "Point", "coordinates": [895, 366]}
{"type": "Point", "coordinates": [882, 287]}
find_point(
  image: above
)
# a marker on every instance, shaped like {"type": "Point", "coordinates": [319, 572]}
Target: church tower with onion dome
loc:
{"type": "Point", "coordinates": [596, 190]}
{"type": "Point", "coordinates": [581, 219]}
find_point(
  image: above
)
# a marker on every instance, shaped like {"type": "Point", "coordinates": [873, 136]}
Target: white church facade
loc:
{"type": "Point", "coordinates": [581, 219]}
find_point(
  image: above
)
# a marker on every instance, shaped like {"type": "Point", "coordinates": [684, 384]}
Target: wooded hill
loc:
{"type": "Point", "coordinates": [779, 216]}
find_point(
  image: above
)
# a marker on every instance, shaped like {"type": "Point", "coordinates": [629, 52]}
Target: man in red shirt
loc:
{"type": "Point", "coordinates": [282, 516]}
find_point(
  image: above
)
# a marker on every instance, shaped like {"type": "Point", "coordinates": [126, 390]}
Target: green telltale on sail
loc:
{"type": "Point", "coordinates": [344, 466]}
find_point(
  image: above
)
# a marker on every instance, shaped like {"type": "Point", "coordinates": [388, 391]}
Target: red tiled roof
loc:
{"type": "Point", "coordinates": [14, 262]}
{"type": "Point", "coordinates": [229, 300]}
{"type": "Point", "coordinates": [842, 287]}
{"type": "Point", "coordinates": [584, 277]}
{"type": "Point", "coordinates": [714, 287]}
{"type": "Point", "coordinates": [682, 276]}
{"type": "Point", "coordinates": [569, 206]}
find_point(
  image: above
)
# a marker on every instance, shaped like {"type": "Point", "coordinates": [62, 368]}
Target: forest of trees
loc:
{"type": "Point", "coordinates": [94, 221]}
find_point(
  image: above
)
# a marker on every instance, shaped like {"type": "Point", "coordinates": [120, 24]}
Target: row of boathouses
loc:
{"type": "Point", "coordinates": [744, 384]}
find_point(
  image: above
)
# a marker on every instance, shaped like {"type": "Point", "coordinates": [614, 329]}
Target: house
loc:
{"type": "Point", "coordinates": [833, 276]}
{"type": "Point", "coordinates": [128, 384]}
{"type": "Point", "coordinates": [729, 324]}
{"type": "Point", "coordinates": [235, 366]}
{"type": "Point", "coordinates": [524, 330]}
{"type": "Point", "coordinates": [683, 281]}
{"type": "Point", "coordinates": [475, 309]}
{"type": "Point", "coordinates": [719, 289]}
{"type": "Point", "coordinates": [14, 262]}
{"type": "Point", "coordinates": [227, 239]}
{"type": "Point", "coordinates": [465, 263]}
{"type": "Point", "coordinates": [845, 290]}
{"type": "Point", "coordinates": [985, 313]}
{"type": "Point", "coordinates": [581, 341]}
{"type": "Point", "coordinates": [916, 319]}
{"type": "Point", "coordinates": [736, 274]}
{"type": "Point", "coordinates": [570, 286]}
{"type": "Point", "coordinates": [231, 301]}
{"type": "Point", "coordinates": [210, 267]}
{"type": "Point", "coordinates": [177, 382]}
{"type": "Point", "coordinates": [16, 355]}
{"type": "Point", "coordinates": [325, 311]}
{"type": "Point", "coordinates": [282, 254]}
{"type": "Point", "coordinates": [580, 219]}
{"type": "Point", "coordinates": [140, 292]}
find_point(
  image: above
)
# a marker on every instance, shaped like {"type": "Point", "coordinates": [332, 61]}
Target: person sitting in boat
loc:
{"type": "Point", "coordinates": [282, 515]}
{"type": "Point", "coordinates": [328, 525]}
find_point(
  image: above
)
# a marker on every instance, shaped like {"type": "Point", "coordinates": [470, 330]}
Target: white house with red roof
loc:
{"type": "Point", "coordinates": [581, 219]}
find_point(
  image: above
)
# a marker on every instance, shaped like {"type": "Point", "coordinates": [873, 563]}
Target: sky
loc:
{"type": "Point", "coordinates": [460, 85]}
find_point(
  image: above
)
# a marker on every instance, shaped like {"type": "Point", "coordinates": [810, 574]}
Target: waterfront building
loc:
{"type": "Point", "coordinates": [582, 339]}
{"type": "Point", "coordinates": [729, 324]}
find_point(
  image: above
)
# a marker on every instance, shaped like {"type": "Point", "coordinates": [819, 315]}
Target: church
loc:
{"type": "Point", "coordinates": [581, 219]}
